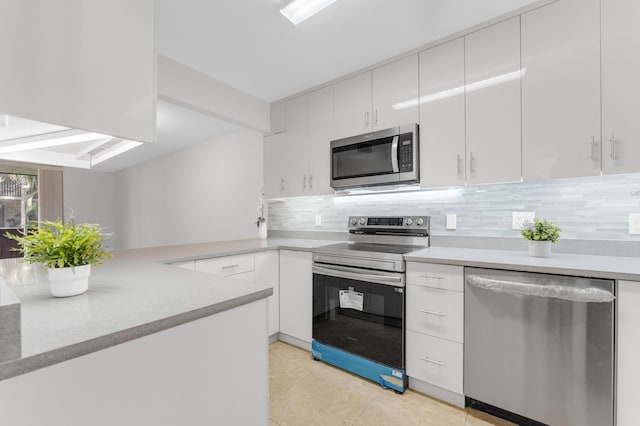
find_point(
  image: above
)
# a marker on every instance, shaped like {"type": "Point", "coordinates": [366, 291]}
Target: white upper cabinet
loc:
{"type": "Point", "coordinates": [561, 90]}
{"type": "Point", "coordinates": [320, 136]}
{"type": "Point", "coordinates": [296, 146]}
{"type": "Point", "coordinates": [620, 86]}
{"type": "Point", "coordinates": [352, 111]}
{"type": "Point", "coordinates": [395, 93]}
{"type": "Point", "coordinates": [275, 162]}
{"type": "Point", "coordinates": [492, 58]}
{"type": "Point", "coordinates": [442, 121]}
{"type": "Point", "coordinates": [378, 99]}
{"type": "Point", "coordinates": [85, 65]}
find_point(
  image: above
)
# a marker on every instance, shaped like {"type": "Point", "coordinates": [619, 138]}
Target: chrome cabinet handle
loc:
{"type": "Point", "coordinates": [282, 184]}
{"type": "Point", "coordinates": [612, 141]}
{"type": "Point", "coordinates": [432, 361]}
{"type": "Point", "coordinates": [459, 164]}
{"type": "Point", "coordinates": [304, 182]}
{"type": "Point", "coordinates": [428, 312]}
{"type": "Point", "coordinates": [310, 182]}
{"type": "Point", "coordinates": [471, 163]}
{"type": "Point", "coordinates": [594, 144]}
{"type": "Point", "coordinates": [432, 277]}
{"type": "Point", "coordinates": [366, 119]}
{"type": "Point", "coordinates": [230, 266]}
{"type": "Point", "coordinates": [375, 117]}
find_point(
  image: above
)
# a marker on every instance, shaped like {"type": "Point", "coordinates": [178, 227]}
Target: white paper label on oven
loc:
{"type": "Point", "coordinates": [350, 299]}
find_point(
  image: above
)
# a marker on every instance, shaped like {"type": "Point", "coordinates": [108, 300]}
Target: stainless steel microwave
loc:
{"type": "Point", "coordinates": [385, 157]}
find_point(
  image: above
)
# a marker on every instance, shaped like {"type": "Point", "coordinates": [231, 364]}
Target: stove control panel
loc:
{"type": "Point", "coordinates": [369, 224]}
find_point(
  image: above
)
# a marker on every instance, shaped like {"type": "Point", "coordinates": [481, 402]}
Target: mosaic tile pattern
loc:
{"type": "Point", "coordinates": [593, 208]}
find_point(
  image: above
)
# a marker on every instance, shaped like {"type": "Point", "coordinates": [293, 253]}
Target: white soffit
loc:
{"type": "Point", "coordinates": [249, 45]}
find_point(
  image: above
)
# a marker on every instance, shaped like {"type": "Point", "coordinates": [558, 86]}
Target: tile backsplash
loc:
{"type": "Point", "coordinates": [593, 208]}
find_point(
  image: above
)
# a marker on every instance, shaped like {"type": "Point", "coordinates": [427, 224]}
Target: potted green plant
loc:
{"type": "Point", "coordinates": [540, 234]}
{"type": "Point", "coordinates": [66, 250]}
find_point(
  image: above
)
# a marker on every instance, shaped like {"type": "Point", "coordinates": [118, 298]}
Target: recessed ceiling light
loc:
{"type": "Point", "coordinates": [299, 10]}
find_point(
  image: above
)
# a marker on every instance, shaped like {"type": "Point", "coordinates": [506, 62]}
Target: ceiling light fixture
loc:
{"type": "Point", "coordinates": [492, 81]}
{"type": "Point", "coordinates": [299, 10]}
{"type": "Point", "coordinates": [113, 151]}
{"type": "Point", "coordinates": [49, 140]}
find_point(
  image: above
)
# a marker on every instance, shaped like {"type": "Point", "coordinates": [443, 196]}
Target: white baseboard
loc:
{"type": "Point", "coordinates": [437, 392]}
{"type": "Point", "coordinates": [294, 341]}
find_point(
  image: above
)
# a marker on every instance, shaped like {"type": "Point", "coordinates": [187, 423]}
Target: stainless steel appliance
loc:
{"type": "Point", "coordinates": [539, 348]}
{"type": "Point", "coordinates": [358, 297]}
{"type": "Point", "coordinates": [385, 157]}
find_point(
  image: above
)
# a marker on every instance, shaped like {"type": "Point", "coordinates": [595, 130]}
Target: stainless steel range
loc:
{"type": "Point", "coordinates": [358, 297]}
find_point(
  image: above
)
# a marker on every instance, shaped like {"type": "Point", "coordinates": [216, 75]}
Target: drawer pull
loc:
{"type": "Point", "coordinates": [433, 361]}
{"type": "Point", "coordinates": [230, 266]}
{"type": "Point", "coordinates": [438, 314]}
{"type": "Point", "coordinates": [433, 277]}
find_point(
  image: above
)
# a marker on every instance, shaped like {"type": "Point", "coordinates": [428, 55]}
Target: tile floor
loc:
{"type": "Point", "coordinates": [308, 392]}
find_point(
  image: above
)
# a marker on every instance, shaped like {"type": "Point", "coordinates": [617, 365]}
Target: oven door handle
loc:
{"type": "Point", "coordinates": [355, 274]}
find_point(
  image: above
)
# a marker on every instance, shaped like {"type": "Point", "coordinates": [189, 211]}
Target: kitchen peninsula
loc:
{"type": "Point", "coordinates": [157, 344]}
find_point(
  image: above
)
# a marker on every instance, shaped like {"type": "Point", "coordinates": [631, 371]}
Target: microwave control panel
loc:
{"type": "Point", "coordinates": [405, 152]}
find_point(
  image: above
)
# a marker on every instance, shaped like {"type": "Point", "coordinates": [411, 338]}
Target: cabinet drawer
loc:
{"type": "Point", "coordinates": [435, 312]}
{"type": "Point", "coordinates": [447, 277]}
{"type": "Point", "coordinates": [227, 265]}
{"type": "Point", "coordinates": [435, 361]}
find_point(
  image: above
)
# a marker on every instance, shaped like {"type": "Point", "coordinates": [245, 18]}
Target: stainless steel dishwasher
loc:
{"type": "Point", "coordinates": [539, 348]}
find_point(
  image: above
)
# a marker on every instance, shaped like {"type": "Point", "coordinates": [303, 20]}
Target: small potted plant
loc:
{"type": "Point", "coordinates": [540, 234]}
{"type": "Point", "coordinates": [66, 250]}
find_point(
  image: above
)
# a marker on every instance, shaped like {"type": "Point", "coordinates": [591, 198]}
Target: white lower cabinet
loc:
{"type": "Point", "coordinates": [628, 378]}
{"type": "Point", "coordinates": [296, 294]}
{"type": "Point", "coordinates": [262, 267]}
{"type": "Point", "coordinates": [435, 329]}
{"type": "Point", "coordinates": [268, 272]}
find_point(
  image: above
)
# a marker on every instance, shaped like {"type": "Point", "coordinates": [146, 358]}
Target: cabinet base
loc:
{"type": "Point", "coordinates": [437, 392]}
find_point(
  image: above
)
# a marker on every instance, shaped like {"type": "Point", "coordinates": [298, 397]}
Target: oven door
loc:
{"type": "Point", "coordinates": [360, 311]}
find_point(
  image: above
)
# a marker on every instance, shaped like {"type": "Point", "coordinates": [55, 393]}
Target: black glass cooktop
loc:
{"type": "Point", "coordinates": [370, 247]}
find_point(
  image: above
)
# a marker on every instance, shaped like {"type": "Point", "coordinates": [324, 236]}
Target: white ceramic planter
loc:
{"type": "Point", "coordinates": [539, 248]}
{"type": "Point", "coordinates": [65, 282]}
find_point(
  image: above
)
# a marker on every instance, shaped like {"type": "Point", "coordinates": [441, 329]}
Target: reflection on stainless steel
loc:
{"type": "Point", "coordinates": [545, 358]}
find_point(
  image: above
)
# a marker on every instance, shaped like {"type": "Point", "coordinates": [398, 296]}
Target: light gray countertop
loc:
{"type": "Point", "coordinates": [613, 267]}
{"type": "Point", "coordinates": [131, 295]}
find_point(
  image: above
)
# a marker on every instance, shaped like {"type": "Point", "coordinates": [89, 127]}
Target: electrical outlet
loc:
{"type": "Point", "coordinates": [318, 220]}
{"type": "Point", "coordinates": [634, 223]}
{"type": "Point", "coordinates": [518, 219]}
{"type": "Point", "coordinates": [451, 221]}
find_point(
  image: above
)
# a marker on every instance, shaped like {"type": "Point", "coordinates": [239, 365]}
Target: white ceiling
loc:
{"type": "Point", "coordinates": [248, 44]}
{"type": "Point", "coordinates": [178, 128]}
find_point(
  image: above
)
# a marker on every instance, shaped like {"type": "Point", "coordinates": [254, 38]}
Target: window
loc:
{"type": "Point", "coordinates": [18, 200]}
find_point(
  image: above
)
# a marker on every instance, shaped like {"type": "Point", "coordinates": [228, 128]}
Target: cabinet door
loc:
{"type": "Point", "coordinates": [628, 380]}
{"type": "Point", "coordinates": [86, 65]}
{"type": "Point", "coordinates": [268, 272]}
{"type": "Point", "coordinates": [492, 58]}
{"type": "Point", "coordinates": [353, 106]}
{"type": "Point", "coordinates": [442, 138]}
{"type": "Point", "coordinates": [561, 90]}
{"type": "Point", "coordinates": [275, 164]}
{"type": "Point", "coordinates": [296, 294]}
{"type": "Point", "coordinates": [320, 136]}
{"type": "Point", "coordinates": [395, 93]}
{"type": "Point", "coordinates": [620, 86]}
{"type": "Point", "coordinates": [296, 138]}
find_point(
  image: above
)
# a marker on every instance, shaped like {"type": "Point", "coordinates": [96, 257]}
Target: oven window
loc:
{"type": "Point", "coordinates": [362, 159]}
{"type": "Point", "coordinates": [372, 330]}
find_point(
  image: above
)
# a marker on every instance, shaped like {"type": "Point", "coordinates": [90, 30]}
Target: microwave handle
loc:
{"type": "Point", "coordinates": [394, 155]}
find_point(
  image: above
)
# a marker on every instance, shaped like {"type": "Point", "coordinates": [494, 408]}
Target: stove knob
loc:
{"type": "Point", "coordinates": [363, 221]}
{"type": "Point", "coordinates": [409, 221]}
{"type": "Point", "coordinates": [420, 221]}
{"type": "Point", "coordinates": [354, 220]}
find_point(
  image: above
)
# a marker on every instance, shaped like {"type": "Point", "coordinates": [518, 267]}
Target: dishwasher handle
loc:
{"type": "Point", "coordinates": [573, 294]}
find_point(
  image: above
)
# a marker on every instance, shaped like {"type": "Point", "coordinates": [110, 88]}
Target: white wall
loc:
{"type": "Point", "coordinates": [206, 192]}
{"type": "Point", "coordinates": [89, 197]}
